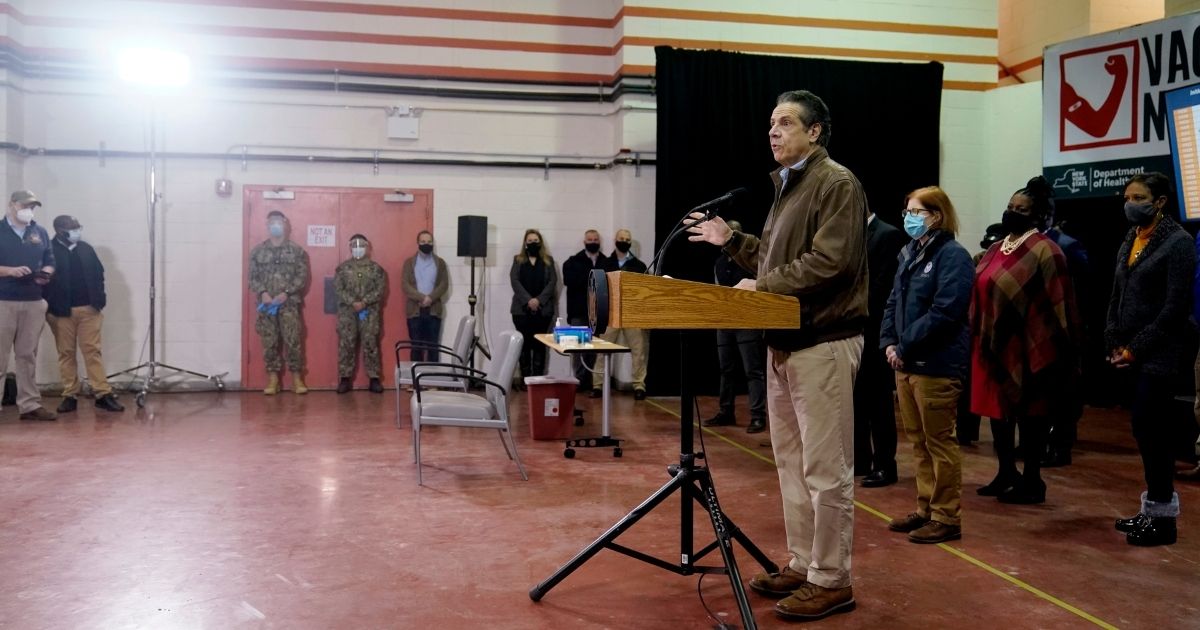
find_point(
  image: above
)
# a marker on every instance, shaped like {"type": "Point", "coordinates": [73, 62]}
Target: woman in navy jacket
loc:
{"type": "Point", "coordinates": [926, 338]}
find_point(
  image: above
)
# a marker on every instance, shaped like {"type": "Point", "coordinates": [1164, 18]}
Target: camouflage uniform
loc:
{"type": "Point", "coordinates": [276, 270]}
{"type": "Point", "coordinates": [363, 281]}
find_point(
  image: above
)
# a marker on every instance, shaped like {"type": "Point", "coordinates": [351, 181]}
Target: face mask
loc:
{"type": "Point", "coordinates": [914, 224]}
{"type": "Point", "coordinates": [1140, 213]}
{"type": "Point", "coordinates": [358, 252]}
{"type": "Point", "coordinates": [275, 229]}
{"type": "Point", "coordinates": [1015, 222]}
{"type": "Point", "coordinates": [426, 248]}
{"type": "Point", "coordinates": [533, 249]}
{"type": "Point", "coordinates": [73, 235]}
{"type": "Point", "coordinates": [591, 248]}
{"type": "Point", "coordinates": [25, 215]}
{"type": "Point", "coordinates": [623, 246]}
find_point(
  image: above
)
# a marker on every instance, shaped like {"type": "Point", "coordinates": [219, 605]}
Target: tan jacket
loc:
{"type": "Point", "coordinates": [412, 297]}
{"type": "Point", "coordinates": [814, 246]}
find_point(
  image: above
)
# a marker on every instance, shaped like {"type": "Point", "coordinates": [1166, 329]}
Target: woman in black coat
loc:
{"type": "Point", "coordinates": [1147, 315]}
{"type": "Point", "coordinates": [535, 296]}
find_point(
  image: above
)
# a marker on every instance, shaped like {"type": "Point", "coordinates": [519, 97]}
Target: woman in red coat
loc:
{"type": "Point", "coordinates": [1024, 325]}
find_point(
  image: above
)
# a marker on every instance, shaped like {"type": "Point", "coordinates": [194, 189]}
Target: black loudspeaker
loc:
{"type": "Point", "coordinates": [472, 236]}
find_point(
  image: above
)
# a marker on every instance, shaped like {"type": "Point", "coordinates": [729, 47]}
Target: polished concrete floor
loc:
{"type": "Point", "coordinates": [242, 511]}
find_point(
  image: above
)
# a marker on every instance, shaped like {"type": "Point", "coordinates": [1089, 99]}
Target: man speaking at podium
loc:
{"type": "Point", "coordinates": [813, 247]}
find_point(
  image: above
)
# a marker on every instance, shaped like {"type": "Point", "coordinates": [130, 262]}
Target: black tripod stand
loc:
{"type": "Point", "coordinates": [695, 484]}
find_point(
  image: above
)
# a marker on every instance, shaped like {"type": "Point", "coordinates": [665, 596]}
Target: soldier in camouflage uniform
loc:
{"type": "Point", "coordinates": [278, 273]}
{"type": "Point", "coordinates": [360, 283]}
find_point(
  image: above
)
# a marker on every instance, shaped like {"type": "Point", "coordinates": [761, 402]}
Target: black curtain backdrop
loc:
{"type": "Point", "coordinates": [714, 110]}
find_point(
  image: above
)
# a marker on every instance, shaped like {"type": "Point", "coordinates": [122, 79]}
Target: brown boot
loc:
{"type": "Point", "coordinates": [298, 385]}
{"type": "Point", "coordinates": [272, 387]}
{"type": "Point", "coordinates": [934, 532]}
{"type": "Point", "coordinates": [778, 584]}
{"type": "Point", "coordinates": [908, 523]}
{"type": "Point", "coordinates": [815, 602]}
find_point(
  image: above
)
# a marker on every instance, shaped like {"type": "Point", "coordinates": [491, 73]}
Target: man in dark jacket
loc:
{"type": "Point", "coordinates": [576, 270]}
{"type": "Point", "coordinates": [874, 411]}
{"type": "Point", "coordinates": [75, 298]}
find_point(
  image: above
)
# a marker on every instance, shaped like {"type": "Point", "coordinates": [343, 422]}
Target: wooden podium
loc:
{"type": "Point", "coordinates": [631, 300]}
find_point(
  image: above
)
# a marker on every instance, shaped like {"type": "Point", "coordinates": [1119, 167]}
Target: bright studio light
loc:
{"type": "Point", "coordinates": [153, 67]}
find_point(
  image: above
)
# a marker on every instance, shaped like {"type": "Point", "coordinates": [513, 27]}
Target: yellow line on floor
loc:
{"type": "Point", "coordinates": [956, 552]}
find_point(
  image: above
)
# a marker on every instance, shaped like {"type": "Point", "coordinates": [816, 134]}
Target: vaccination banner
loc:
{"type": "Point", "coordinates": [1104, 108]}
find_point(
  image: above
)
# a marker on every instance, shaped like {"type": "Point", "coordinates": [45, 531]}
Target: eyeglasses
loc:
{"type": "Point", "coordinates": [917, 212]}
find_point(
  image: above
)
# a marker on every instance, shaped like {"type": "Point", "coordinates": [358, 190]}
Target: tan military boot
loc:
{"type": "Point", "coordinates": [298, 385]}
{"type": "Point", "coordinates": [272, 387]}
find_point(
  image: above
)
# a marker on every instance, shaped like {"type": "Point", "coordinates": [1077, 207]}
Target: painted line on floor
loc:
{"type": "Point", "coordinates": [1025, 586]}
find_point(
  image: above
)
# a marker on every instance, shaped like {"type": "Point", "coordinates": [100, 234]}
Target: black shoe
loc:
{"type": "Point", "coordinates": [639, 394]}
{"type": "Point", "coordinates": [68, 405]}
{"type": "Point", "coordinates": [720, 420]}
{"type": "Point", "coordinates": [1132, 523]}
{"type": "Point", "coordinates": [757, 426]}
{"type": "Point", "coordinates": [880, 478]}
{"type": "Point", "coordinates": [596, 393]}
{"type": "Point", "coordinates": [1024, 493]}
{"type": "Point", "coordinates": [344, 385]}
{"type": "Point", "coordinates": [375, 386]}
{"type": "Point", "coordinates": [999, 485]}
{"type": "Point", "coordinates": [1056, 459]}
{"type": "Point", "coordinates": [1158, 530]}
{"type": "Point", "coordinates": [107, 403]}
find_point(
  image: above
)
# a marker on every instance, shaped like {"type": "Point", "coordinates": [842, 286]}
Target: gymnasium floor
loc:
{"type": "Point", "coordinates": [242, 511]}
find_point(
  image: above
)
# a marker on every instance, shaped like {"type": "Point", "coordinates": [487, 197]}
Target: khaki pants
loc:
{"type": "Point", "coordinates": [82, 330]}
{"type": "Point", "coordinates": [929, 412]}
{"type": "Point", "coordinates": [810, 400]}
{"type": "Point", "coordinates": [21, 326]}
{"type": "Point", "coordinates": [635, 340]}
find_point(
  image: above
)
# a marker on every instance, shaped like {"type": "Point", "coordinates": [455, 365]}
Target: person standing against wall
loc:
{"type": "Point", "coordinates": [360, 284]}
{"type": "Point", "coordinates": [278, 274]}
{"type": "Point", "coordinates": [534, 281]}
{"type": "Point", "coordinates": [622, 259]}
{"type": "Point", "coordinates": [739, 351]}
{"type": "Point", "coordinates": [576, 271]}
{"type": "Point", "coordinates": [75, 299]}
{"type": "Point", "coordinates": [26, 265]}
{"type": "Point", "coordinates": [426, 282]}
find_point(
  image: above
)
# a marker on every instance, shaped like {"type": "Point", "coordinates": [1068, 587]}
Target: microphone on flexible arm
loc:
{"type": "Point", "coordinates": [709, 208]}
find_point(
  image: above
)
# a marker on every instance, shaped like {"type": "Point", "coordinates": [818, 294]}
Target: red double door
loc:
{"type": "Point", "coordinates": [322, 222]}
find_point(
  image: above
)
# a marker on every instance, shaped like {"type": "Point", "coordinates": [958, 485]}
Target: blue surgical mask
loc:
{"type": "Point", "coordinates": [914, 224]}
{"type": "Point", "coordinates": [275, 229]}
{"type": "Point", "coordinates": [74, 235]}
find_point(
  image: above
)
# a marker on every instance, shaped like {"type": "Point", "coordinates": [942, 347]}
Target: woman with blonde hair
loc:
{"type": "Point", "coordinates": [535, 296]}
{"type": "Point", "coordinates": [926, 338]}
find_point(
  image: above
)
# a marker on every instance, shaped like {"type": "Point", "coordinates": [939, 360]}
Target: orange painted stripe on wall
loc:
{"type": "Point", "coordinates": [782, 20]}
{"type": "Point", "coordinates": [822, 51]}
{"type": "Point", "coordinates": [412, 70]}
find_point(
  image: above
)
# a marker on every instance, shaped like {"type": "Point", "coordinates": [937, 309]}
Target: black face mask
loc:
{"type": "Point", "coordinates": [1015, 222]}
{"type": "Point", "coordinates": [591, 248]}
{"type": "Point", "coordinates": [1140, 214]}
{"type": "Point", "coordinates": [623, 246]}
{"type": "Point", "coordinates": [533, 249]}
{"type": "Point", "coordinates": [426, 248]}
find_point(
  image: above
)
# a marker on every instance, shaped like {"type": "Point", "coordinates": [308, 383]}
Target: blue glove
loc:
{"type": "Point", "coordinates": [269, 309]}
{"type": "Point", "coordinates": [362, 315]}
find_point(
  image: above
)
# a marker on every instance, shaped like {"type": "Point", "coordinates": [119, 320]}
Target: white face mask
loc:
{"type": "Point", "coordinates": [25, 215]}
{"type": "Point", "coordinates": [74, 235]}
{"type": "Point", "coordinates": [358, 252]}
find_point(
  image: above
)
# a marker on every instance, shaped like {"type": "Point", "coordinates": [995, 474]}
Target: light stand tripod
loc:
{"type": "Point", "coordinates": [694, 484]}
{"type": "Point", "coordinates": [152, 366]}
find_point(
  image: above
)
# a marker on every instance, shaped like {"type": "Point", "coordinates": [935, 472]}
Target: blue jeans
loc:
{"type": "Point", "coordinates": [427, 328]}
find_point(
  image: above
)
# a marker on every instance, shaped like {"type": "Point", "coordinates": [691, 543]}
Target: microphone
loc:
{"type": "Point", "coordinates": [709, 207]}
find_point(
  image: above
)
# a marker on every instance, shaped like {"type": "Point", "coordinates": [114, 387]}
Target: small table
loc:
{"type": "Point", "coordinates": [602, 349]}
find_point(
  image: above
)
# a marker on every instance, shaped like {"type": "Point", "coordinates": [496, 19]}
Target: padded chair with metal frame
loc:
{"type": "Point", "coordinates": [464, 409]}
{"type": "Point", "coordinates": [458, 354]}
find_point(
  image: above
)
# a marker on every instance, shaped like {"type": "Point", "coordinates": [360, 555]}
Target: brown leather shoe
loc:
{"type": "Point", "coordinates": [935, 532]}
{"type": "Point", "coordinates": [908, 523]}
{"type": "Point", "coordinates": [39, 414]}
{"type": "Point", "coordinates": [778, 584]}
{"type": "Point", "coordinates": [811, 602]}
